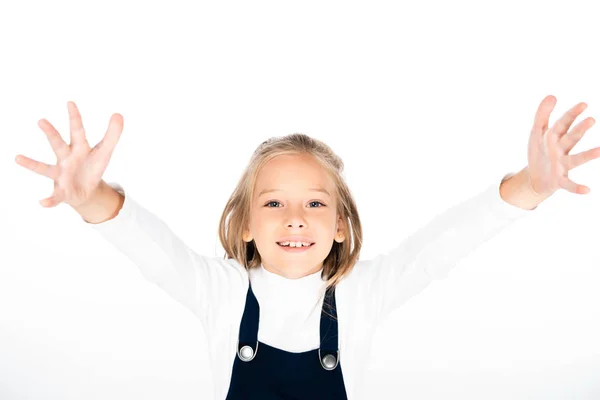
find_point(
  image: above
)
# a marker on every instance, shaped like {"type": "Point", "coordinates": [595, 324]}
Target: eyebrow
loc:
{"type": "Point", "coordinates": [278, 190]}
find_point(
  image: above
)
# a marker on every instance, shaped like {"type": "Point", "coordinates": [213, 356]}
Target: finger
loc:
{"type": "Point", "coordinates": [77, 131]}
{"type": "Point", "coordinates": [540, 122]}
{"type": "Point", "coordinates": [573, 187]}
{"type": "Point", "coordinates": [51, 201]}
{"type": "Point", "coordinates": [569, 140]}
{"type": "Point", "coordinates": [59, 146]}
{"type": "Point", "coordinates": [562, 125]}
{"type": "Point", "coordinates": [106, 146]}
{"type": "Point", "coordinates": [50, 171]}
{"type": "Point", "coordinates": [575, 160]}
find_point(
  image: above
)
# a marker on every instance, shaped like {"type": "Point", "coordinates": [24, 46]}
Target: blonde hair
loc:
{"type": "Point", "coordinates": [236, 215]}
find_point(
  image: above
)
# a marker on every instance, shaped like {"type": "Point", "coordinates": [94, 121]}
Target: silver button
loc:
{"type": "Point", "coordinates": [246, 352]}
{"type": "Point", "coordinates": [329, 361]}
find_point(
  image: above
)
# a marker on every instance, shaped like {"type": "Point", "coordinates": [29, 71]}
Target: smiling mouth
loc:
{"type": "Point", "coordinates": [296, 247]}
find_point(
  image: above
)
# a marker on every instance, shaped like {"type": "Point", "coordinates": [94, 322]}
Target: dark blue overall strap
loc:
{"type": "Point", "coordinates": [329, 331]}
{"type": "Point", "coordinates": [249, 324]}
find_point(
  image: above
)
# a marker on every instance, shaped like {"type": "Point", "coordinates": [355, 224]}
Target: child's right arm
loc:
{"type": "Point", "coordinates": [161, 256]}
{"type": "Point", "coordinates": [207, 286]}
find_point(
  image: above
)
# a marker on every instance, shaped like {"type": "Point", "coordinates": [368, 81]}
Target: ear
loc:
{"type": "Point", "coordinates": [247, 237]}
{"type": "Point", "coordinates": [339, 235]}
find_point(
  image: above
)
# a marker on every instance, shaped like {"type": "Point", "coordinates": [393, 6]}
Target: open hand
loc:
{"type": "Point", "coordinates": [79, 168]}
{"type": "Point", "coordinates": [549, 161]}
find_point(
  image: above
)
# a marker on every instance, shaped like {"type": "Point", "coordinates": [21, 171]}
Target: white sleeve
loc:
{"type": "Point", "coordinates": [164, 259]}
{"type": "Point", "coordinates": [432, 251]}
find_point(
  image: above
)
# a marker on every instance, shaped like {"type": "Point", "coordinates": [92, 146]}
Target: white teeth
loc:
{"type": "Point", "coordinates": [294, 244]}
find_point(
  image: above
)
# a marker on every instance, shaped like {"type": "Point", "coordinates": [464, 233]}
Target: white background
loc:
{"type": "Point", "coordinates": [427, 103]}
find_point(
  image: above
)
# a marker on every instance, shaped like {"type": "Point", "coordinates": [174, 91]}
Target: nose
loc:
{"type": "Point", "coordinates": [295, 219]}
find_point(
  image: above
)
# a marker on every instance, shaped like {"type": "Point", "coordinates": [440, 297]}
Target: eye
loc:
{"type": "Point", "coordinates": [270, 202]}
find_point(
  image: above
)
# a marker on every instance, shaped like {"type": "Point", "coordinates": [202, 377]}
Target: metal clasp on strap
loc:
{"type": "Point", "coordinates": [246, 353]}
{"type": "Point", "coordinates": [329, 362]}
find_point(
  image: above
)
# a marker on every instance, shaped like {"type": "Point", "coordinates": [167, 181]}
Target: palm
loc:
{"type": "Point", "coordinates": [78, 175]}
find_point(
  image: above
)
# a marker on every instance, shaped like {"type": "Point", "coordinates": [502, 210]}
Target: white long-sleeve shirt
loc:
{"type": "Point", "coordinates": [215, 289]}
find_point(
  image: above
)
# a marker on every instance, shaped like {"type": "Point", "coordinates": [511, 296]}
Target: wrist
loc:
{"type": "Point", "coordinates": [517, 190]}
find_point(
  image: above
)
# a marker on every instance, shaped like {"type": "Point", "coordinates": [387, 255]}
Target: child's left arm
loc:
{"type": "Point", "coordinates": [392, 278]}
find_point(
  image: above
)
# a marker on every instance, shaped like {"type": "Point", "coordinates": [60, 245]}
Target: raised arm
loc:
{"type": "Point", "coordinates": [432, 251]}
{"type": "Point", "coordinates": [164, 259]}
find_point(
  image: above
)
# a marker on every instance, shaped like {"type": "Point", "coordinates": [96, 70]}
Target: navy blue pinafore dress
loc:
{"type": "Point", "coordinates": [264, 372]}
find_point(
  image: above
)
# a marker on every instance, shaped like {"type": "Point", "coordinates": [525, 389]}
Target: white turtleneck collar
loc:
{"type": "Point", "coordinates": [272, 289]}
{"type": "Point", "coordinates": [298, 281]}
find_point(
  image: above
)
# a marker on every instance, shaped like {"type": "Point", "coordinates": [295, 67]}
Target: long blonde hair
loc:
{"type": "Point", "coordinates": [236, 215]}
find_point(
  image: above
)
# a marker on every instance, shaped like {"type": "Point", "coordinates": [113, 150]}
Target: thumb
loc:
{"type": "Point", "coordinates": [51, 201]}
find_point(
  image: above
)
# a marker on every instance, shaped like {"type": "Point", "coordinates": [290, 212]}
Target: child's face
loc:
{"type": "Point", "coordinates": [293, 209]}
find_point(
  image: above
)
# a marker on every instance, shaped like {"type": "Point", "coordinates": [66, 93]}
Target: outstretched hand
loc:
{"type": "Point", "coordinates": [549, 161]}
{"type": "Point", "coordinates": [79, 168]}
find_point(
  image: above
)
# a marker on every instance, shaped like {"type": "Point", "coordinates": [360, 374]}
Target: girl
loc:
{"type": "Point", "coordinates": [290, 311]}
